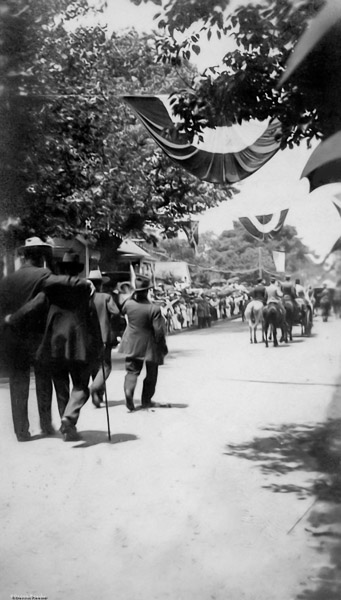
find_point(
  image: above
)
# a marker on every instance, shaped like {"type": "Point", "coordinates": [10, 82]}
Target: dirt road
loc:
{"type": "Point", "coordinates": [207, 500]}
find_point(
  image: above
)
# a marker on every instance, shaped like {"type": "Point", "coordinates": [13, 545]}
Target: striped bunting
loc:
{"type": "Point", "coordinates": [264, 225]}
{"type": "Point", "coordinates": [225, 155]}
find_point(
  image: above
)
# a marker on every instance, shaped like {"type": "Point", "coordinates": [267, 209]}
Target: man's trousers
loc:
{"type": "Point", "coordinates": [20, 363]}
{"type": "Point", "coordinates": [134, 368]}
{"type": "Point", "coordinates": [69, 405]}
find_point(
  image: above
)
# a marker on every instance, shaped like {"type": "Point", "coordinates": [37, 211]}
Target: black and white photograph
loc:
{"type": "Point", "coordinates": [170, 299]}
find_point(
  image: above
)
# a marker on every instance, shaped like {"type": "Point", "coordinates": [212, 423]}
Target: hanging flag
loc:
{"type": "Point", "coordinates": [225, 154]}
{"type": "Point", "coordinates": [264, 225]}
{"type": "Point", "coordinates": [279, 260]}
{"type": "Point", "coordinates": [191, 229]}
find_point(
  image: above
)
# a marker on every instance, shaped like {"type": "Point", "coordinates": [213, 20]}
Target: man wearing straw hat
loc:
{"type": "Point", "coordinates": [143, 342]}
{"type": "Point", "coordinates": [24, 299]}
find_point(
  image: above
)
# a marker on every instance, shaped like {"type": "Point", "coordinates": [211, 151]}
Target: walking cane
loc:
{"type": "Point", "coordinates": [106, 396]}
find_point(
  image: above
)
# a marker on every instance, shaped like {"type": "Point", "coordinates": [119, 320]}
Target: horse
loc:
{"type": "Point", "coordinates": [254, 316]}
{"type": "Point", "coordinates": [298, 312]}
{"type": "Point", "coordinates": [274, 318]}
{"type": "Point", "coordinates": [304, 316]}
{"type": "Point", "coordinates": [289, 314]}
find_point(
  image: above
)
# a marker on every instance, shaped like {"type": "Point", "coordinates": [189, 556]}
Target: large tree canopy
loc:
{"type": "Point", "coordinates": [235, 251]}
{"type": "Point", "coordinates": [74, 158]}
{"type": "Point", "coordinates": [245, 85]}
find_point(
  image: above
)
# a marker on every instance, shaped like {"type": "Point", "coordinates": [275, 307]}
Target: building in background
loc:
{"type": "Point", "coordinates": [172, 272]}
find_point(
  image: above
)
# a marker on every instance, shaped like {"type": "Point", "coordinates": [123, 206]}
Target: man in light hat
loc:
{"type": "Point", "coordinates": [143, 342]}
{"type": "Point", "coordinates": [274, 295]}
{"type": "Point", "coordinates": [31, 286]}
{"type": "Point", "coordinates": [108, 315]}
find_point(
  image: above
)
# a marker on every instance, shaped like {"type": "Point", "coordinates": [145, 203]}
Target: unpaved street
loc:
{"type": "Point", "coordinates": [207, 500]}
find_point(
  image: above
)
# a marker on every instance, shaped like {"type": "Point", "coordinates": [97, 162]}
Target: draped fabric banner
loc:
{"type": "Point", "coordinates": [279, 260]}
{"type": "Point", "coordinates": [225, 155]}
{"type": "Point", "coordinates": [264, 225]}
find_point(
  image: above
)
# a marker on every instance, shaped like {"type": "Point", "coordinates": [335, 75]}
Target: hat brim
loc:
{"type": "Point", "coordinates": [34, 247]}
{"type": "Point", "coordinates": [143, 289]}
{"type": "Point", "coordinates": [124, 283]}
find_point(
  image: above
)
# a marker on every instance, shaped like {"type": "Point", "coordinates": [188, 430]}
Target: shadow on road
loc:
{"type": "Point", "coordinates": [314, 449]}
{"type": "Point", "coordinates": [175, 354]}
{"type": "Point", "coordinates": [92, 438]}
{"type": "Point", "coordinates": [114, 403]}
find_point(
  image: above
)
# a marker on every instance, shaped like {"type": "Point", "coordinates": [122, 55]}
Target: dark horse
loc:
{"type": "Point", "coordinates": [299, 313]}
{"type": "Point", "coordinates": [274, 318]}
{"type": "Point", "coordinates": [289, 314]}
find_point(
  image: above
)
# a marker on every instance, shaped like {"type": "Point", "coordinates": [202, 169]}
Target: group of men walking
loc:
{"type": "Point", "coordinates": [63, 326]}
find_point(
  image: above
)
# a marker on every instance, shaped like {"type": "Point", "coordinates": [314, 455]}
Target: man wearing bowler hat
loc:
{"type": "Point", "coordinates": [24, 299]}
{"type": "Point", "coordinates": [143, 342]}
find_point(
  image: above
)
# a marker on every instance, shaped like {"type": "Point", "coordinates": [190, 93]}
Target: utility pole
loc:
{"type": "Point", "coordinates": [260, 270]}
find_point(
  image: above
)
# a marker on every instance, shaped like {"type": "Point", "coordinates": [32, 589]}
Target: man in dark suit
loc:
{"type": "Point", "coordinates": [259, 291]}
{"type": "Point", "coordinates": [70, 348]}
{"type": "Point", "coordinates": [108, 314]}
{"type": "Point", "coordinates": [143, 342]}
{"type": "Point", "coordinates": [22, 336]}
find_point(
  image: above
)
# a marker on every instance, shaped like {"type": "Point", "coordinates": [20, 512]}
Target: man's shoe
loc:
{"type": "Point", "coordinates": [24, 437]}
{"type": "Point", "coordinates": [72, 436]}
{"type": "Point", "coordinates": [96, 400]}
{"type": "Point", "coordinates": [69, 431]}
{"type": "Point", "coordinates": [130, 405]}
{"type": "Point", "coordinates": [148, 404]}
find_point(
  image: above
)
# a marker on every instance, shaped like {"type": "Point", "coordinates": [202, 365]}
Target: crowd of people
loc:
{"type": "Point", "coordinates": [63, 326]}
{"type": "Point", "coordinates": [187, 309]}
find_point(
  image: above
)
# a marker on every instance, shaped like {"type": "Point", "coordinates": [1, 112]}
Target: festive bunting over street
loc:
{"type": "Point", "coordinates": [264, 225]}
{"type": "Point", "coordinates": [226, 154]}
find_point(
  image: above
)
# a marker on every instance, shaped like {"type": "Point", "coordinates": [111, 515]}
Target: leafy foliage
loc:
{"type": "Point", "coordinates": [246, 85]}
{"type": "Point", "coordinates": [75, 159]}
{"type": "Point", "coordinates": [236, 251]}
